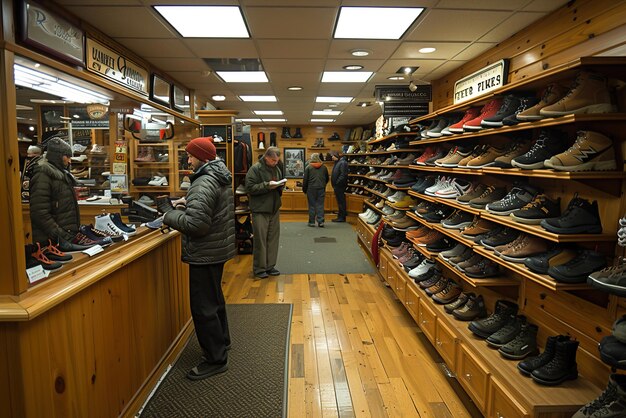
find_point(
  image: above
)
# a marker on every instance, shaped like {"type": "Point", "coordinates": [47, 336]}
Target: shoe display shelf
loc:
{"type": "Point", "coordinates": [151, 161]}
{"type": "Point", "coordinates": [493, 382]}
{"type": "Point", "coordinates": [392, 136]}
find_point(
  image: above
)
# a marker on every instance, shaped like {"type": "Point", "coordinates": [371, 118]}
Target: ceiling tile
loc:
{"type": "Point", "coordinates": [270, 48]}
{"type": "Point", "coordinates": [483, 4]}
{"type": "Point", "coordinates": [340, 48]}
{"type": "Point", "coordinates": [296, 79]}
{"type": "Point", "coordinates": [392, 3]}
{"type": "Point", "coordinates": [445, 69]}
{"type": "Point", "coordinates": [274, 65]}
{"type": "Point", "coordinates": [511, 26]}
{"type": "Point", "coordinates": [162, 48]}
{"type": "Point", "coordinates": [543, 5]}
{"type": "Point", "coordinates": [473, 51]}
{"type": "Point", "coordinates": [222, 48]}
{"type": "Point", "coordinates": [290, 22]}
{"type": "Point", "coordinates": [425, 65]}
{"type": "Point", "coordinates": [445, 50]}
{"type": "Point", "coordinates": [368, 65]}
{"type": "Point", "coordinates": [125, 22]}
{"type": "Point", "coordinates": [452, 25]}
{"type": "Point", "coordinates": [190, 77]}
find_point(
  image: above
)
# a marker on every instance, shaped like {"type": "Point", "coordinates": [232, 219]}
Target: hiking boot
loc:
{"type": "Point", "coordinates": [465, 255]}
{"type": "Point", "coordinates": [540, 208]}
{"type": "Point", "coordinates": [458, 249]}
{"type": "Point", "coordinates": [485, 159]}
{"type": "Point", "coordinates": [431, 281]}
{"type": "Point", "coordinates": [448, 294]}
{"type": "Point", "coordinates": [524, 344]}
{"type": "Point", "coordinates": [507, 333]}
{"type": "Point", "coordinates": [580, 217]}
{"type": "Point", "coordinates": [526, 247]}
{"type": "Point", "coordinates": [509, 106]}
{"type": "Point", "coordinates": [454, 156]}
{"type": "Point", "coordinates": [613, 352]}
{"type": "Point", "coordinates": [516, 149]}
{"type": "Point", "coordinates": [549, 143]}
{"type": "Point", "coordinates": [483, 269]}
{"type": "Point", "coordinates": [517, 198]}
{"type": "Point", "coordinates": [475, 190]}
{"type": "Point", "coordinates": [474, 308]}
{"type": "Point", "coordinates": [504, 313]}
{"type": "Point", "coordinates": [474, 259]}
{"type": "Point", "coordinates": [502, 237]}
{"type": "Point", "coordinates": [479, 226]}
{"type": "Point", "coordinates": [443, 244]}
{"type": "Point", "coordinates": [588, 94]}
{"type": "Point", "coordinates": [429, 238]}
{"type": "Point", "coordinates": [577, 269]}
{"type": "Point", "coordinates": [488, 111]}
{"type": "Point", "coordinates": [551, 95]}
{"type": "Point", "coordinates": [437, 287]}
{"type": "Point", "coordinates": [619, 329]}
{"type": "Point", "coordinates": [611, 280]}
{"type": "Point", "coordinates": [459, 219]}
{"type": "Point", "coordinates": [470, 114]}
{"type": "Point", "coordinates": [459, 302]}
{"type": "Point", "coordinates": [591, 151]}
{"type": "Point", "coordinates": [524, 104]}
{"type": "Point", "coordinates": [529, 365]}
{"type": "Point", "coordinates": [540, 263]}
{"type": "Point", "coordinates": [610, 404]}
{"type": "Point", "coordinates": [439, 214]}
{"type": "Point", "coordinates": [562, 367]}
{"type": "Point", "coordinates": [476, 152]}
{"type": "Point", "coordinates": [491, 194]}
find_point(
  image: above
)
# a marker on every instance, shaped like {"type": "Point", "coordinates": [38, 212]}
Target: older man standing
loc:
{"type": "Point", "coordinates": [339, 181]}
{"type": "Point", "coordinates": [264, 184]}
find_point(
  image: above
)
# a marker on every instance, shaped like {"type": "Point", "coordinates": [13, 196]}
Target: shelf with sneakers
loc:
{"type": "Point", "coordinates": [392, 136]}
{"type": "Point", "coordinates": [475, 283]}
{"type": "Point", "coordinates": [451, 170]}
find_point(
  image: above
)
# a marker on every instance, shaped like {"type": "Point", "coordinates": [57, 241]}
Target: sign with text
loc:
{"type": "Point", "coordinates": [116, 67]}
{"type": "Point", "coordinates": [482, 81]}
{"type": "Point", "coordinates": [422, 94]}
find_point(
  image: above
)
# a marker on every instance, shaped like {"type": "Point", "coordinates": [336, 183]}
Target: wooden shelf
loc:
{"type": "Point", "coordinates": [437, 169]}
{"type": "Point", "coordinates": [488, 281]}
{"type": "Point", "coordinates": [392, 136]}
{"type": "Point", "coordinates": [552, 174]}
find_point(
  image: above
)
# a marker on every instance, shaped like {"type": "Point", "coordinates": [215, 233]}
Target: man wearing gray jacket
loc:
{"type": "Point", "coordinates": [208, 242]}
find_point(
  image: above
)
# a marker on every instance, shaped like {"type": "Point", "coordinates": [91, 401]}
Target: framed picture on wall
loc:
{"type": "Point", "coordinates": [160, 90]}
{"type": "Point", "coordinates": [294, 162]}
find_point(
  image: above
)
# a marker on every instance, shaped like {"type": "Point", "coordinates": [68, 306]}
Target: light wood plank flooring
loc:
{"type": "Point", "coordinates": [355, 351]}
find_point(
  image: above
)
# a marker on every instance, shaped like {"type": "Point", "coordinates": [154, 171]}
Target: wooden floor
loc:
{"type": "Point", "coordinates": [355, 351]}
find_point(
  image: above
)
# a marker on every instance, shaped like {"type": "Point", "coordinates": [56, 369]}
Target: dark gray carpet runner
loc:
{"type": "Point", "coordinates": [255, 384]}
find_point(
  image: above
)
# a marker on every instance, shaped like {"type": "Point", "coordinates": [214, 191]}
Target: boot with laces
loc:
{"type": "Point", "coordinates": [55, 255]}
{"type": "Point", "coordinates": [542, 207]}
{"type": "Point", "coordinates": [475, 190]}
{"type": "Point", "coordinates": [509, 106]}
{"type": "Point", "coordinates": [580, 217]}
{"type": "Point", "coordinates": [562, 367]}
{"type": "Point", "coordinates": [488, 111]}
{"type": "Point", "coordinates": [527, 247]}
{"type": "Point", "coordinates": [524, 104]}
{"type": "Point", "coordinates": [517, 198]}
{"type": "Point", "coordinates": [500, 237]}
{"type": "Point", "coordinates": [474, 308]}
{"type": "Point", "coordinates": [591, 151]}
{"type": "Point", "coordinates": [37, 253]}
{"type": "Point", "coordinates": [523, 345]}
{"type": "Point", "coordinates": [483, 269]}
{"type": "Point", "coordinates": [450, 293]}
{"type": "Point", "coordinates": [514, 150]}
{"type": "Point", "coordinates": [551, 95]}
{"type": "Point", "coordinates": [588, 94]}
{"type": "Point", "coordinates": [459, 302]}
{"type": "Point", "coordinates": [610, 404]}
{"type": "Point", "coordinates": [504, 314]}
{"type": "Point", "coordinates": [507, 333]}
{"type": "Point", "coordinates": [491, 194]}
{"type": "Point", "coordinates": [526, 367]}
{"type": "Point", "coordinates": [549, 143]}
{"type": "Point", "coordinates": [611, 280]}
{"type": "Point", "coordinates": [578, 269]}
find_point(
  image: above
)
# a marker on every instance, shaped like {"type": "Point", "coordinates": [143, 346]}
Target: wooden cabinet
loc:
{"type": "Point", "coordinates": [412, 302]}
{"type": "Point", "coordinates": [354, 203]}
{"type": "Point", "coordinates": [445, 343]}
{"type": "Point", "coordinates": [400, 286]}
{"type": "Point", "coordinates": [427, 320]}
{"type": "Point", "coordinates": [502, 404]}
{"type": "Point", "coordinates": [474, 376]}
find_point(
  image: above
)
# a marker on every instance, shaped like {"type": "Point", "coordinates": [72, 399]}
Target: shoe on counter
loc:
{"type": "Point", "coordinates": [580, 217]}
{"type": "Point", "coordinates": [562, 367]}
{"type": "Point", "coordinates": [95, 234]}
{"type": "Point", "coordinates": [504, 313]}
{"type": "Point", "coordinates": [591, 151]}
{"type": "Point", "coordinates": [610, 404]}
{"type": "Point", "coordinates": [474, 308]}
{"type": "Point", "coordinates": [527, 366]}
{"type": "Point", "coordinates": [540, 263]}
{"type": "Point", "coordinates": [549, 143]}
{"type": "Point", "coordinates": [55, 255]}
{"type": "Point", "coordinates": [116, 218]}
{"type": "Point", "coordinates": [523, 345]}
{"type": "Point", "coordinates": [578, 269]}
{"type": "Point", "coordinates": [38, 257]}
{"type": "Point", "coordinates": [541, 207]}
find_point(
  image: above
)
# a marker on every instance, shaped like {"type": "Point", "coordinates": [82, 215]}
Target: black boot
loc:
{"type": "Point", "coordinates": [273, 139]}
{"type": "Point", "coordinates": [298, 134]}
{"type": "Point", "coordinates": [562, 367]}
{"type": "Point", "coordinates": [527, 366]}
{"type": "Point", "coordinates": [286, 133]}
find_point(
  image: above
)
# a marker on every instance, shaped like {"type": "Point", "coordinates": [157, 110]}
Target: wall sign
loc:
{"type": "Point", "coordinates": [423, 93]}
{"type": "Point", "coordinates": [115, 67]}
{"type": "Point", "coordinates": [52, 34]}
{"type": "Point", "coordinates": [482, 81]}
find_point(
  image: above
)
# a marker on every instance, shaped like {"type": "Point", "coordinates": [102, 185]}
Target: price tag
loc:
{"type": "Point", "coordinates": [93, 250]}
{"type": "Point", "coordinates": [36, 273]}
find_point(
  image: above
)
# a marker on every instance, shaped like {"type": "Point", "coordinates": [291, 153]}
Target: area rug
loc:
{"type": "Point", "coordinates": [329, 250]}
{"type": "Point", "coordinates": [255, 384]}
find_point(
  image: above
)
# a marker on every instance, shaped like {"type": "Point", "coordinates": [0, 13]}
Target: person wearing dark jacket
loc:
{"type": "Point", "coordinates": [264, 184]}
{"type": "Point", "coordinates": [208, 242]}
{"type": "Point", "coordinates": [339, 181]}
{"type": "Point", "coordinates": [54, 212]}
{"type": "Point", "coordinates": [314, 186]}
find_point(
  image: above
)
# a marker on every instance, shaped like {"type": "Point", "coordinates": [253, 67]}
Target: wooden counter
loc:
{"type": "Point", "coordinates": [84, 341]}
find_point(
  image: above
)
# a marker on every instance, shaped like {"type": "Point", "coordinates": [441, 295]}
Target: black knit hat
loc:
{"type": "Point", "coordinates": [56, 149]}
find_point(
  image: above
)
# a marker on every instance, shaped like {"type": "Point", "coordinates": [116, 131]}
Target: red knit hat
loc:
{"type": "Point", "coordinates": [202, 148]}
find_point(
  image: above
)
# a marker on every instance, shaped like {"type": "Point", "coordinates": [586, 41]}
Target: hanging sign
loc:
{"type": "Point", "coordinates": [482, 81]}
{"type": "Point", "coordinates": [395, 93]}
{"type": "Point", "coordinates": [116, 67]}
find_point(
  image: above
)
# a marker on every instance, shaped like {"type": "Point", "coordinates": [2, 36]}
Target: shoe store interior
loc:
{"type": "Point", "coordinates": [275, 208]}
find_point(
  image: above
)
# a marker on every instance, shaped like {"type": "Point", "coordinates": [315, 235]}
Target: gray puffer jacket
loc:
{"type": "Point", "coordinates": [54, 212]}
{"type": "Point", "coordinates": [208, 223]}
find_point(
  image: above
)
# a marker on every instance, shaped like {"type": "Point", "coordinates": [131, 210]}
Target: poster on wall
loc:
{"type": "Point", "coordinates": [294, 163]}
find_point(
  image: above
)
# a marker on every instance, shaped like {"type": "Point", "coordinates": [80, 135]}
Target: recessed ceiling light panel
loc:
{"type": "Point", "coordinates": [243, 76]}
{"type": "Point", "coordinates": [251, 120]}
{"type": "Point", "coordinates": [343, 77]}
{"type": "Point", "coordinates": [352, 67]}
{"type": "Point", "coordinates": [350, 24]}
{"type": "Point", "coordinates": [326, 112]}
{"type": "Point", "coordinates": [274, 120]}
{"type": "Point", "coordinates": [268, 112]}
{"type": "Point", "coordinates": [294, 88]}
{"type": "Point", "coordinates": [395, 77]}
{"type": "Point", "coordinates": [205, 21]}
{"type": "Point", "coordinates": [333, 99]}
{"type": "Point", "coordinates": [323, 120]}
{"type": "Point", "coordinates": [360, 52]}
{"type": "Point", "coordinates": [427, 50]}
{"type": "Point", "coordinates": [258, 98]}
{"type": "Point", "coordinates": [218, 97]}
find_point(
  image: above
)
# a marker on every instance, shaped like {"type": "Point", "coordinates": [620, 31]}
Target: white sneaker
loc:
{"type": "Point", "coordinates": [261, 145]}
{"type": "Point", "coordinates": [455, 188]}
{"type": "Point", "coordinates": [104, 223]}
{"type": "Point", "coordinates": [241, 189]}
{"type": "Point", "coordinates": [158, 181]}
{"type": "Point", "coordinates": [421, 268]}
{"type": "Point", "coordinates": [365, 214]}
{"type": "Point", "coordinates": [441, 183]}
{"type": "Point", "coordinates": [96, 149]}
{"type": "Point", "coordinates": [79, 148]}
{"type": "Point", "coordinates": [217, 138]}
{"type": "Point", "coordinates": [79, 159]}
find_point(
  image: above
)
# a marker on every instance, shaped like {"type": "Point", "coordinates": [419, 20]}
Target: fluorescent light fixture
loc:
{"type": "Point", "coordinates": [395, 77]}
{"type": "Point", "coordinates": [218, 97]}
{"type": "Point", "coordinates": [333, 99]}
{"type": "Point", "coordinates": [354, 67]}
{"type": "Point", "coordinates": [427, 50]}
{"type": "Point", "coordinates": [243, 76]}
{"type": "Point", "coordinates": [343, 77]}
{"type": "Point", "coordinates": [274, 120]}
{"type": "Point", "coordinates": [294, 88]}
{"type": "Point", "coordinates": [323, 120]}
{"type": "Point", "coordinates": [250, 120]}
{"type": "Point", "coordinates": [326, 112]}
{"type": "Point", "coordinates": [350, 23]}
{"type": "Point", "coordinates": [205, 21]}
{"type": "Point", "coordinates": [333, 105]}
{"type": "Point", "coordinates": [36, 80]}
{"type": "Point", "coordinates": [268, 112]}
{"type": "Point", "coordinates": [360, 52]}
{"type": "Point", "coordinates": [258, 98]}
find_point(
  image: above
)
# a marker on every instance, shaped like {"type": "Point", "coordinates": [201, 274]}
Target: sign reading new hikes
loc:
{"type": "Point", "coordinates": [482, 81]}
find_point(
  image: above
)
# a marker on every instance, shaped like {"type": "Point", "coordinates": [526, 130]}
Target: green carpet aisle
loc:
{"type": "Point", "coordinates": [255, 384]}
{"type": "Point", "coordinates": [328, 250]}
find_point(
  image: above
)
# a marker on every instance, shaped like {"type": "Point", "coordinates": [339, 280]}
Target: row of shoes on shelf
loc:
{"type": "Point", "coordinates": [149, 155]}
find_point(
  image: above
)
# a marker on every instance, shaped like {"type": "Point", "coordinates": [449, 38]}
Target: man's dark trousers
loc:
{"type": "Point", "coordinates": [340, 194]}
{"type": "Point", "coordinates": [208, 310]}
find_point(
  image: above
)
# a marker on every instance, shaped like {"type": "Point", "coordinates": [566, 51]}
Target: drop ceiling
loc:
{"type": "Point", "coordinates": [293, 40]}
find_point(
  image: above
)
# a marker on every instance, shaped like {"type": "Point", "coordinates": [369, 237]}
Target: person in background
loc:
{"type": "Point", "coordinates": [339, 181]}
{"type": "Point", "coordinates": [33, 155]}
{"type": "Point", "coordinates": [208, 242]}
{"type": "Point", "coordinates": [54, 212]}
{"type": "Point", "coordinates": [264, 185]}
{"type": "Point", "coordinates": [314, 186]}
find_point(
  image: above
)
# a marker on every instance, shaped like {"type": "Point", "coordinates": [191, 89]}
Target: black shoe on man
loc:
{"type": "Point", "coordinates": [338, 220]}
